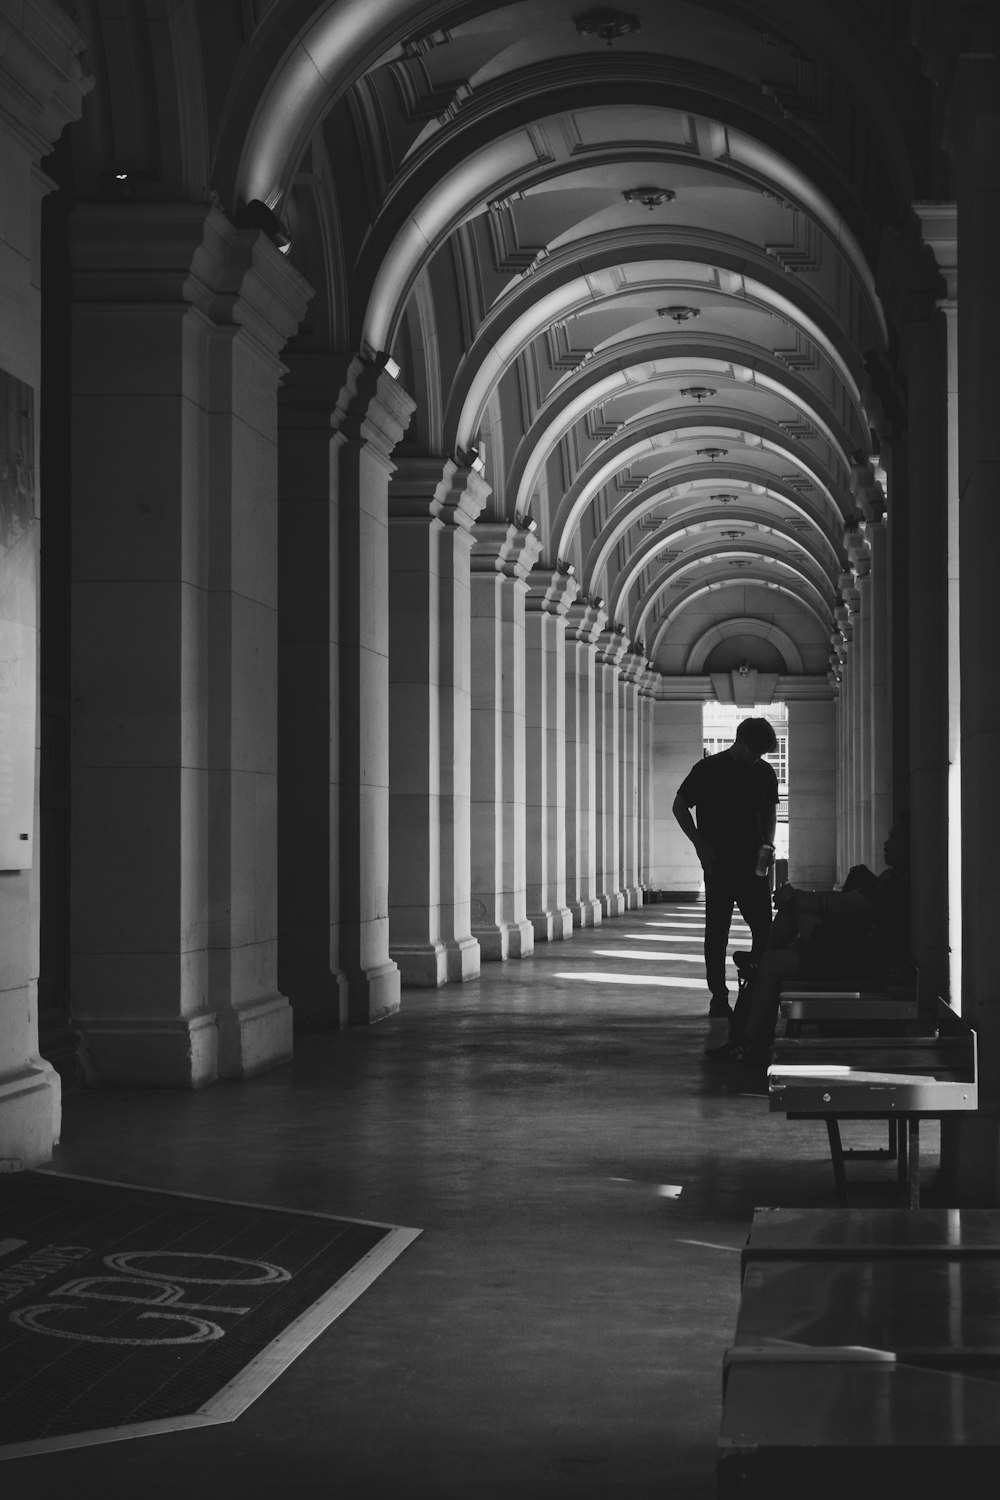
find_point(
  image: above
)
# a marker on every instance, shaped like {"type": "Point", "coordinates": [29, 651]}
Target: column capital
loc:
{"type": "Point", "coordinates": [682, 689]}
{"type": "Point", "coordinates": [185, 255]}
{"type": "Point", "coordinates": [867, 490]}
{"type": "Point", "coordinates": [42, 81]}
{"type": "Point", "coordinates": [633, 664]}
{"type": "Point", "coordinates": [429, 488]}
{"type": "Point", "coordinates": [649, 681]}
{"type": "Point", "coordinates": [500, 547]}
{"type": "Point", "coordinates": [551, 593]}
{"type": "Point", "coordinates": [611, 647]}
{"type": "Point", "coordinates": [939, 231]}
{"type": "Point", "coordinates": [372, 408]}
{"type": "Point", "coordinates": [584, 622]}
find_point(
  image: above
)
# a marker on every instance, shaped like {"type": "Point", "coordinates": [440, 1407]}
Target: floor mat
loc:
{"type": "Point", "coordinates": [127, 1311]}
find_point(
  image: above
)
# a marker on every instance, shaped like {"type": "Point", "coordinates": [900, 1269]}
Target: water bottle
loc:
{"type": "Point", "coordinates": [765, 858]}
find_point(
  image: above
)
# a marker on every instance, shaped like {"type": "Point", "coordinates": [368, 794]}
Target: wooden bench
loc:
{"type": "Point", "coordinates": [901, 1080]}
{"type": "Point", "coordinates": [836, 1005]}
{"type": "Point", "coordinates": [866, 1360]}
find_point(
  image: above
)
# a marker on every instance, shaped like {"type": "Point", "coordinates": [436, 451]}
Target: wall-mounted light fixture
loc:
{"type": "Point", "coordinates": [607, 25]}
{"type": "Point", "coordinates": [257, 215]}
{"type": "Point", "coordinates": [679, 312]}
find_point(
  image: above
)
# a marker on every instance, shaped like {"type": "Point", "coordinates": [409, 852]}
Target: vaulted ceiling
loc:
{"type": "Point", "coordinates": [630, 256]}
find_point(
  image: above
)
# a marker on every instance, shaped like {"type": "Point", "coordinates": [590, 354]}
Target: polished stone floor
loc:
{"type": "Point", "coordinates": [583, 1181]}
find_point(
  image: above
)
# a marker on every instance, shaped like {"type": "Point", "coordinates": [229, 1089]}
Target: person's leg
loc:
{"type": "Point", "coordinates": [753, 896]}
{"type": "Point", "coordinates": [719, 900]}
{"type": "Point", "coordinates": [775, 965]}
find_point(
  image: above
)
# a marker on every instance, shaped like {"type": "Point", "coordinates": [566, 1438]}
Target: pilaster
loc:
{"type": "Point", "coordinates": [549, 597]}
{"type": "Point", "coordinates": [309, 789]}
{"type": "Point", "coordinates": [502, 557]}
{"type": "Point", "coordinates": [371, 416]}
{"type": "Point", "coordinates": [432, 509]}
{"type": "Point", "coordinates": [178, 322]}
{"type": "Point", "coordinates": [584, 623]}
{"type": "Point", "coordinates": [630, 673]}
{"type": "Point", "coordinates": [611, 647]}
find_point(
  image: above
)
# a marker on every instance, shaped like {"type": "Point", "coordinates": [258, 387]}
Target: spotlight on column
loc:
{"type": "Point", "coordinates": [531, 525]}
{"type": "Point", "coordinates": [391, 368]}
{"type": "Point", "coordinates": [257, 215]}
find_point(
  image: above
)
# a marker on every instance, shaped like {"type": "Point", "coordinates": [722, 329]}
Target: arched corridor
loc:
{"type": "Point", "coordinates": [413, 414]}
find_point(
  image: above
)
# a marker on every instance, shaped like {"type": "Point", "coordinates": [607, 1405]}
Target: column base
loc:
{"type": "Point", "coordinates": [633, 897]}
{"type": "Point", "coordinates": [552, 926]}
{"type": "Point", "coordinates": [613, 904]}
{"type": "Point", "coordinates": [372, 995]}
{"type": "Point", "coordinates": [317, 992]}
{"type": "Point", "coordinates": [30, 1115]}
{"type": "Point", "coordinates": [464, 960]}
{"type": "Point", "coordinates": [586, 913]}
{"type": "Point", "coordinates": [505, 940]}
{"type": "Point", "coordinates": [255, 1037]}
{"type": "Point", "coordinates": [422, 966]}
{"type": "Point", "coordinates": [150, 1052]}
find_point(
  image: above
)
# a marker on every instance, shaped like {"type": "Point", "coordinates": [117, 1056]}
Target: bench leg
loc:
{"type": "Point", "coordinates": [837, 1158]}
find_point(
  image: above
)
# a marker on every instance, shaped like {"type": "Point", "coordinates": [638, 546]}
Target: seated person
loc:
{"type": "Point", "coordinates": [860, 931]}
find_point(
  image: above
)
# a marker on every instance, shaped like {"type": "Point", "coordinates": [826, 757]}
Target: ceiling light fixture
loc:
{"type": "Point", "coordinates": [678, 312]}
{"type": "Point", "coordinates": [724, 499]}
{"type": "Point", "coordinates": [649, 197]}
{"type": "Point", "coordinates": [712, 453]}
{"type": "Point", "coordinates": [698, 392]}
{"type": "Point", "coordinates": [733, 534]}
{"type": "Point", "coordinates": [607, 25]}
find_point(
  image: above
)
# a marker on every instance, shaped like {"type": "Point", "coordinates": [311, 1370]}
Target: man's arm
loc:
{"type": "Point", "coordinates": [703, 848]}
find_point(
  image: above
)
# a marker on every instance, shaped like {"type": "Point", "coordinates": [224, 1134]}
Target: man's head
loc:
{"type": "Point", "coordinates": [756, 737]}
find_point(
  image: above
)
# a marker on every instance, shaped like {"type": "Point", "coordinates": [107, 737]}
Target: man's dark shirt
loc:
{"type": "Point", "coordinates": [733, 801]}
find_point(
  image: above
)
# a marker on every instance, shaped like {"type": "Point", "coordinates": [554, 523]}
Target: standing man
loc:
{"type": "Point", "coordinates": [736, 797]}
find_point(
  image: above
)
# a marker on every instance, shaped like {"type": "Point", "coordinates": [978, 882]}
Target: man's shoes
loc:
{"type": "Point", "coordinates": [727, 1053]}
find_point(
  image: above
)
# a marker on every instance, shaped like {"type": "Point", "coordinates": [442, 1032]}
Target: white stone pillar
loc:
{"type": "Point", "coordinates": [178, 322]}
{"type": "Point", "coordinates": [432, 508]}
{"type": "Point", "coordinates": [42, 87]}
{"type": "Point", "coordinates": [584, 623]}
{"type": "Point", "coordinates": [502, 558]}
{"type": "Point", "coordinates": [370, 418]}
{"type": "Point", "coordinates": [880, 704]}
{"type": "Point", "coordinates": [812, 792]}
{"type": "Point", "coordinates": [647, 806]}
{"type": "Point", "coordinates": [549, 596]}
{"type": "Point", "coordinates": [934, 465]}
{"type": "Point", "coordinates": [309, 970]}
{"type": "Point", "coordinates": [611, 649]}
{"type": "Point", "coordinates": [631, 670]}
{"type": "Point", "coordinates": [678, 741]}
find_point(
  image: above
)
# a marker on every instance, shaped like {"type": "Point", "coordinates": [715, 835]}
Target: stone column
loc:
{"type": "Point", "coordinates": [611, 649]}
{"type": "Point", "coordinates": [975, 141]}
{"type": "Point", "coordinates": [432, 508]}
{"type": "Point", "coordinates": [678, 740]}
{"type": "Point", "coordinates": [502, 558]}
{"type": "Point", "coordinates": [647, 809]}
{"type": "Point", "coordinates": [178, 321]}
{"type": "Point", "coordinates": [631, 670]}
{"type": "Point", "coordinates": [42, 87]}
{"type": "Point", "coordinates": [880, 706]}
{"type": "Point", "coordinates": [549, 597]}
{"type": "Point", "coordinates": [931, 352]}
{"type": "Point", "coordinates": [308, 696]}
{"type": "Point", "coordinates": [371, 416]}
{"type": "Point", "coordinates": [812, 793]}
{"type": "Point", "coordinates": [584, 623]}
